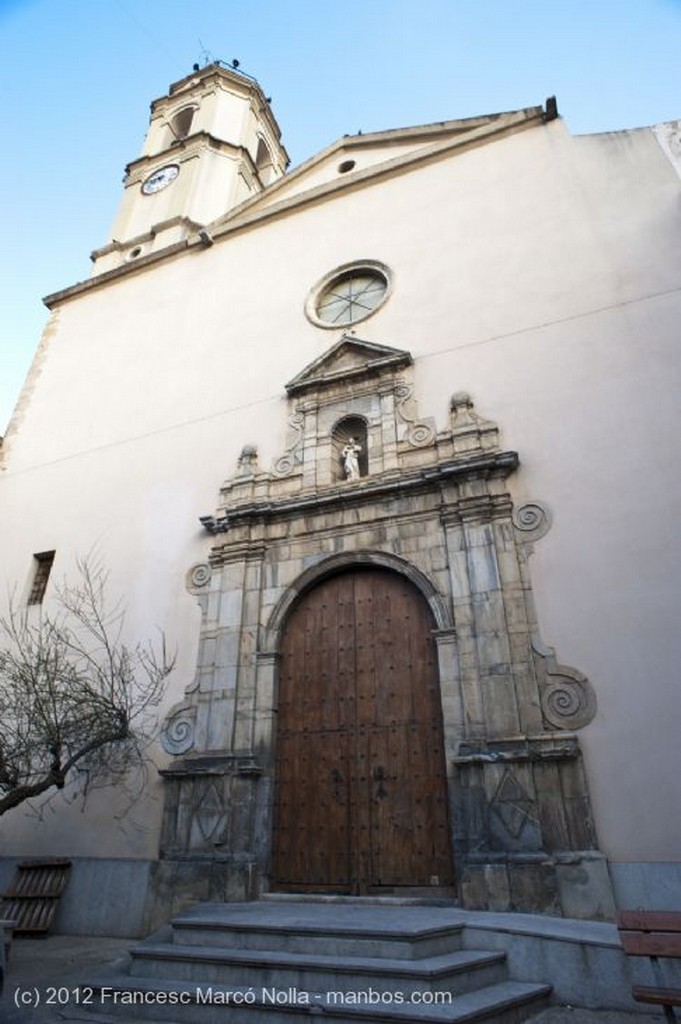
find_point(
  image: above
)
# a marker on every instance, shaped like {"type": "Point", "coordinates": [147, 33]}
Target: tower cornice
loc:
{"type": "Point", "coordinates": [184, 149]}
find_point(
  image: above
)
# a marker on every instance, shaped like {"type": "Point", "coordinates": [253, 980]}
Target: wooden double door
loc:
{"type": "Point", "coordinates": [360, 783]}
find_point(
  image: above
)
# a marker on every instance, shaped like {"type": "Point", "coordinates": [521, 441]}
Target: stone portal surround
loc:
{"type": "Point", "coordinates": [434, 507]}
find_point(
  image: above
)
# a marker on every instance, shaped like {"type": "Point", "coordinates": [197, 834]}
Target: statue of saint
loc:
{"type": "Point", "coordinates": [351, 459]}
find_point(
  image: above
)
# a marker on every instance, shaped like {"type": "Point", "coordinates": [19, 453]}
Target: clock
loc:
{"type": "Point", "coordinates": [160, 179]}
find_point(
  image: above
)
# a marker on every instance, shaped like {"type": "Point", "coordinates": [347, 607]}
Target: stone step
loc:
{"type": "Point", "coordinates": [336, 911]}
{"type": "Point", "coordinates": [260, 963]}
{"type": "Point", "coordinates": [338, 936]}
{"type": "Point", "coordinates": [360, 901]}
{"type": "Point", "coordinates": [458, 972]}
{"type": "Point", "coordinates": [138, 1000]}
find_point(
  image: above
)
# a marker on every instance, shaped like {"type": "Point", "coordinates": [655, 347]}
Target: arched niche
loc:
{"type": "Point", "coordinates": [350, 432]}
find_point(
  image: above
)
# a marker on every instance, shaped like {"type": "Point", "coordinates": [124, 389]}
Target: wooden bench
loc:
{"type": "Point", "coordinates": [655, 934]}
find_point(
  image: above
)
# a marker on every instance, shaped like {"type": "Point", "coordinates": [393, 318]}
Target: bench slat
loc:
{"type": "Point", "coordinates": [651, 944]}
{"type": "Point", "coordinates": [650, 920]}
{"type": "Point", "coordinates": [660, 996]}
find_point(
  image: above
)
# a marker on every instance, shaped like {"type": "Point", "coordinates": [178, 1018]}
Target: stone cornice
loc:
{"type": "Point", "coordinates": [146, 236]}
{"type": "Point", "coordinates": [499, 464]}
{"type": "Point", "coordinates": [108, 276]}
{"type": "Point", "coordinates": [214, 764]}
{"type": "Point", "coordinates": [542, 747]}
{"type": "Point", "coordinates": [185, 149]}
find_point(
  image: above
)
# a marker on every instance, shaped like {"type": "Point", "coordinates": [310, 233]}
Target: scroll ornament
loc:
{"type": "Point", "coordinates": [420, 434]}
{"type": "Point", "coordinates": [567, 697]}
{"type": "Point", "coordinates": [532, 520]}
{"type": "Point", "coordinates": [177, 736]}
{"type": "Point", "coordinates": [199, 575]}
{"type": "Point", "coordinates": [287, 462]}
{"type": "Point", "coordinates": [568, 703]}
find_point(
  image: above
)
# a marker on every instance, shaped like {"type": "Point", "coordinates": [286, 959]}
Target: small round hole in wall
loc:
{"type": "Point", "coordinates": [345, 166]}
{"type": "Point", "coordinates": [134, 253]}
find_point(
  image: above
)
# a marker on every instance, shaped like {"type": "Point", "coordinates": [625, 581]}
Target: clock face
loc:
{"type": "Point", "coordinates": [160, 179]}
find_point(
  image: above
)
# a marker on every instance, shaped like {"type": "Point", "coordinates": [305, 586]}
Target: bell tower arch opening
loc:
{"type": "Point", "coordinates": [264, 162]}
{"type": "Point", "coordinates": [180, 124]}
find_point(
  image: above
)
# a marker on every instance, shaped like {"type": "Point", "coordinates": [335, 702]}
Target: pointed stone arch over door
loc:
{"type": "Point", "coordinates": [360, 779]}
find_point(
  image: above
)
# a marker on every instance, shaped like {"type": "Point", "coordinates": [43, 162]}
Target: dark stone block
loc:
{"type": "Point", "coordinates": [534, 888]}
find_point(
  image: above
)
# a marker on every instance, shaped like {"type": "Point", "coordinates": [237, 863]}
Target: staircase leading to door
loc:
{"type": "Point", "coordinates": [287, 962]}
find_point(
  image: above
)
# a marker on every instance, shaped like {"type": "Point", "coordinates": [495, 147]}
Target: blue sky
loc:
{"type": "Point", "coordinates": [77, 77]}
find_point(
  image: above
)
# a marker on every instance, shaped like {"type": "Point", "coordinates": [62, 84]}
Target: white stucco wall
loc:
{"type": "Point", "coordinates": [539, 273]}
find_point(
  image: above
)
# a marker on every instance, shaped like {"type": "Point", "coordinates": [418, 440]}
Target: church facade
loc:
{"type": "Point", "coordinates": [384, 444]}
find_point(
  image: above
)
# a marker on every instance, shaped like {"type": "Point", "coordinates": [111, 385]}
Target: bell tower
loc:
{"type": "Point", "coordinates": [212, 143]}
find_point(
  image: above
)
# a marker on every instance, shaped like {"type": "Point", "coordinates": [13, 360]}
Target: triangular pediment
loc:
{"type": "Point", "coordinates": [359, 160]}
{"type": "Point", "coordinates": [350, 358]}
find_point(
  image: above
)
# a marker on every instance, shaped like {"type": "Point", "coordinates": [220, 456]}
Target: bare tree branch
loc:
{"type": "Point", "coordinates": [74, 698]}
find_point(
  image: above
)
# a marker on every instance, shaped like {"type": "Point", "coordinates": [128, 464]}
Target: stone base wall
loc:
{"type": "Point", "coordinates": [653, 886]}
{"type": "Point", "coordinates": [176, 884]}
{"type": "Point", "coordinates": [583, 960]}
{"type": "Point", "coordinates": [573, 885]}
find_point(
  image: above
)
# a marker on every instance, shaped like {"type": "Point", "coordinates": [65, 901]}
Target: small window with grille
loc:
{"type": "Point", "coordinates": [42, 566]}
